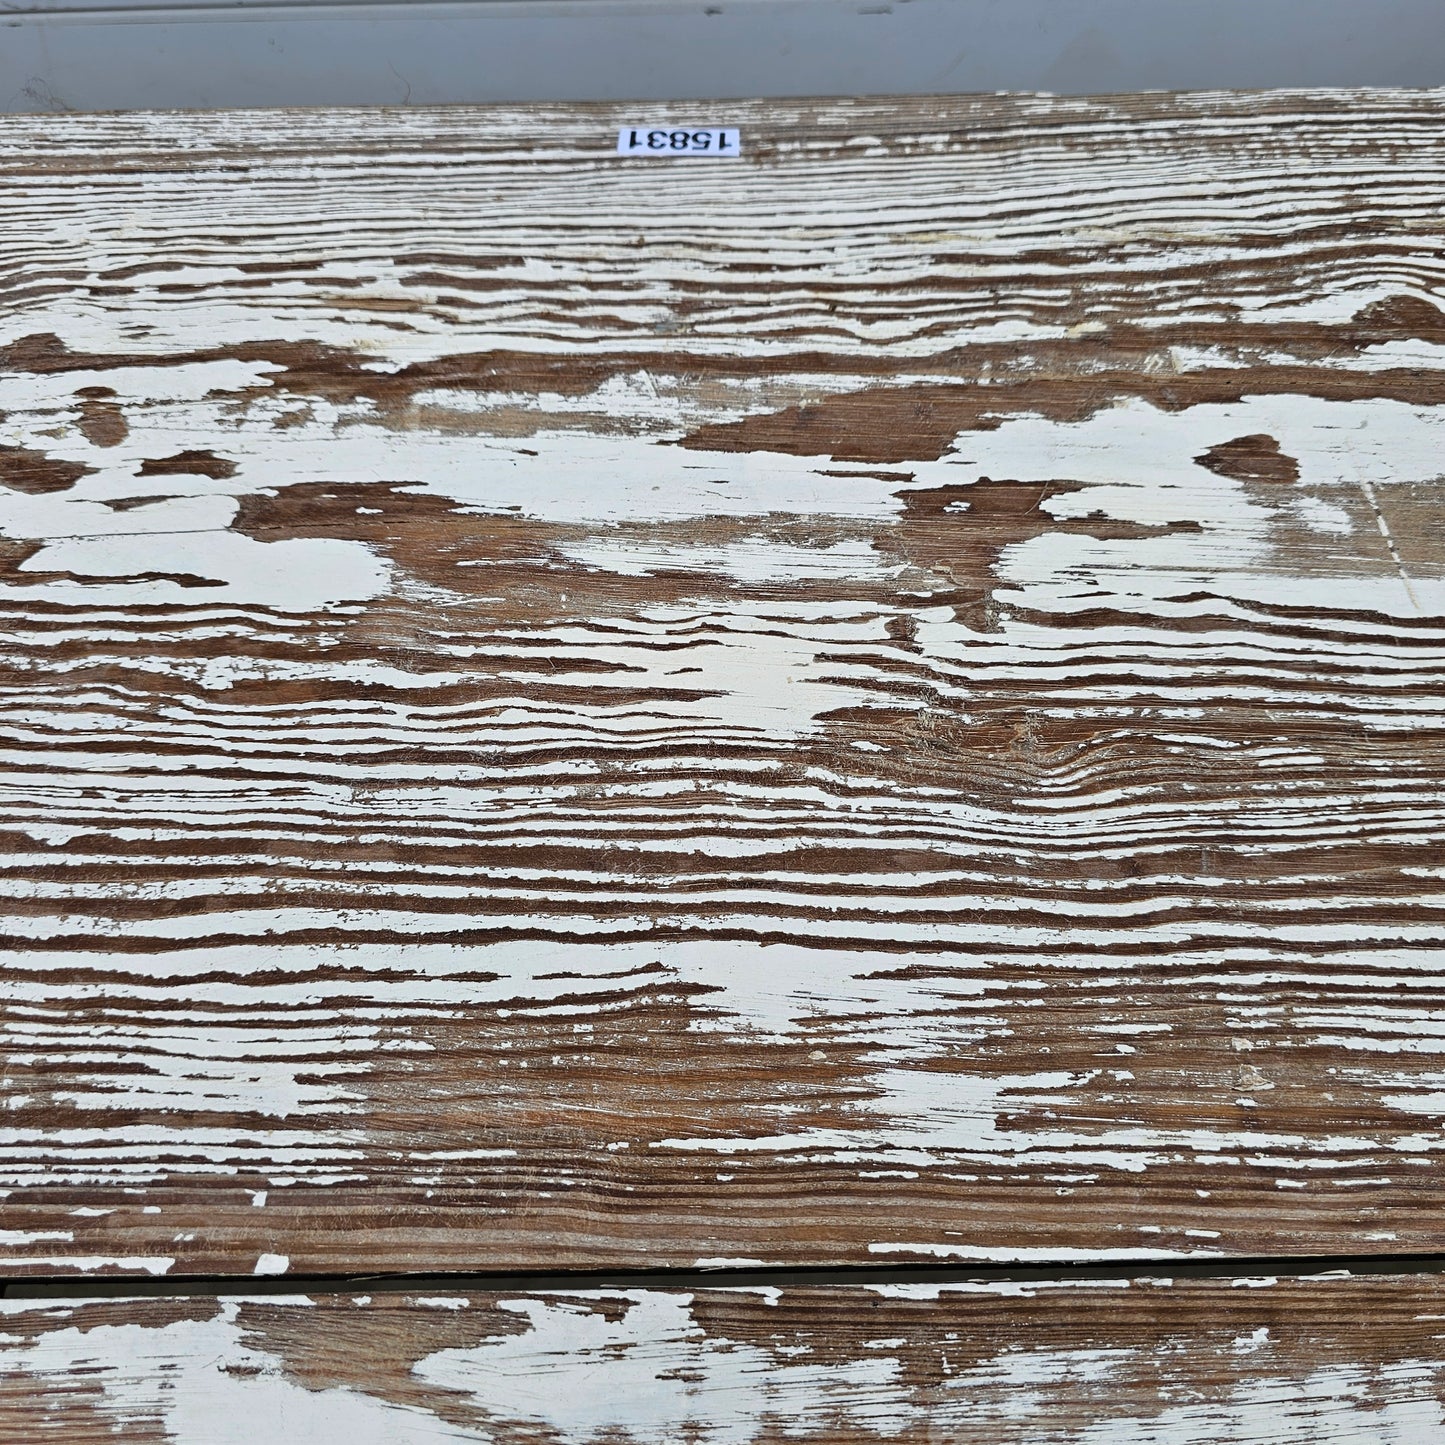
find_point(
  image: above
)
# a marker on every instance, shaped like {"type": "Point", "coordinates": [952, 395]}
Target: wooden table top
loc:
{"type": "Point", "coordinates": [877, 702]}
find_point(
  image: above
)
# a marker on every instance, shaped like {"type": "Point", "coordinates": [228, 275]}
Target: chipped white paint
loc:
{"type": "Point", "coordinates": [1335, 1405]}
{"type": "Point", "coordinates": [655, 1375]}
{"type": "Point", "coordinates": [203, 1384]}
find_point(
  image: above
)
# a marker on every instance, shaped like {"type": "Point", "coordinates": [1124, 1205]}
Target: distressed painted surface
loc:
{"type": "Point", "coordinates": [879, 702]}
{"type": "Point", "coordinates": [1244, 1362]}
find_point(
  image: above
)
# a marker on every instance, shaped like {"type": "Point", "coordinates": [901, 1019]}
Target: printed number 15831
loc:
{"type": "Point", "coordinates": [657, 141]}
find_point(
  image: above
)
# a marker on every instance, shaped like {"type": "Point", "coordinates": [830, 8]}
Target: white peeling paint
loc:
{"type": "Point", "coordinates": [655, 1376]}
{"type": "Point", "coordinates": [206, 1383]}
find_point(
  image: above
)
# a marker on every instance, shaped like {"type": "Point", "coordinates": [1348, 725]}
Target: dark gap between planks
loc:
{"type": "Point", "coordinates": [483, 1281]}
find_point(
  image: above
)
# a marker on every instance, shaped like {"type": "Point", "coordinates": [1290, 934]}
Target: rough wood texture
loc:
{"type": "Point", "coordinates": [1291, 1362]}
{"type": "Point", "coordinates": [878, 701]}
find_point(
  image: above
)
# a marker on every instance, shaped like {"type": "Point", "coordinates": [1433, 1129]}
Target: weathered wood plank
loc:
{"type": "Point", "coordinates": [879, 700]}
{"type": "Point", "coordinates": [1198, 1362]}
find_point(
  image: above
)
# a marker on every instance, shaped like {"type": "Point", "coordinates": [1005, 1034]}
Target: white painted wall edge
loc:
{"type": "Point", "coordinates": [120, 55]}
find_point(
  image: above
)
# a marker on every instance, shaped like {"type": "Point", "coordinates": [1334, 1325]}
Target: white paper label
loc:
{"type": "Point", "coordinates": [658, 140]}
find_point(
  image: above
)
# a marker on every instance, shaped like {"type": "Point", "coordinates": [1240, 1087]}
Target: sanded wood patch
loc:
{"type": "Point", "coordinates": [877, 702]}
{"type": "Point", "coordinates": [1152, 1362]}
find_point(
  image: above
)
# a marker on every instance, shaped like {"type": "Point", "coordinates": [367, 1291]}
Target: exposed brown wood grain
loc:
{"type": "Point", "coordinates": [881, 701]}
{"type": "Point", "coordinates": [1148, 1362]}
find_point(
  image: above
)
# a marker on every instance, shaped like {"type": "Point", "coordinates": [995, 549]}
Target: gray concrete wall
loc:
{"type": "Point", "coordinates": [121, 54]}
